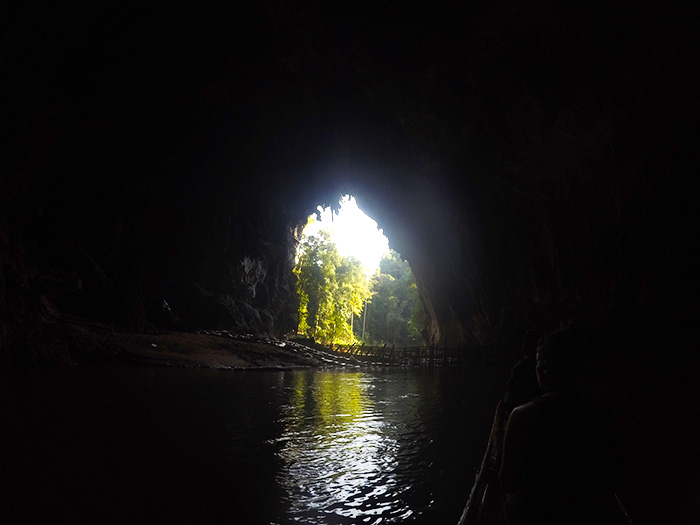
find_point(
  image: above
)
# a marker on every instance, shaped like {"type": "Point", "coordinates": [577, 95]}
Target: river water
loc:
{"type": "Point", "coordinates": [128, 444]}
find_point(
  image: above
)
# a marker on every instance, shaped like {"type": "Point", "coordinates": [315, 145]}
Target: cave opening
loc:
{"type": "Point", "coordinates": [530, 164]}
{"type": "Point", "coordinates": [343, 264]}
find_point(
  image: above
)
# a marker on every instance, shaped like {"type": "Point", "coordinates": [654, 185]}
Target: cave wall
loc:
{"type": "Point", "coordinates": [532, 163]}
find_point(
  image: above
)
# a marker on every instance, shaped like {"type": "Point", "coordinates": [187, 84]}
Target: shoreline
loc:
{"type": "Point", "coordinates": [195, 350]}
{"type": "Point", "coordinates": [71, 342]}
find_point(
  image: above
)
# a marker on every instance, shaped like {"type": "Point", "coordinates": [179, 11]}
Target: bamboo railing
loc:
{"type": "Point", "coordinates": [415, 355]}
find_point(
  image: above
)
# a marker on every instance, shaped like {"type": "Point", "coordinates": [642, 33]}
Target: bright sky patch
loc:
{"type": "Point", "coordinates": [354, 233]}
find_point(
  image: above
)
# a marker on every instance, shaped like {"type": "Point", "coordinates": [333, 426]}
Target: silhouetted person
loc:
{"type": "Point", "coordinates": [521, 387]}
{"type": "Point", "coordinates": [559, 461]}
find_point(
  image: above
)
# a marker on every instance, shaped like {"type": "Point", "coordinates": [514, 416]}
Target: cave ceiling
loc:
{"type": "Point", "coordinates": [530, 161]}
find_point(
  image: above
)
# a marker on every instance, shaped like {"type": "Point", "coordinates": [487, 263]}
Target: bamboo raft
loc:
{"type": "Point", "coordinates": [485, 503]}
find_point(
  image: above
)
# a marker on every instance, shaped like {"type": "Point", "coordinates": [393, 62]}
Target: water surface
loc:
{"type": "Point", "coordinates": [110, 443]}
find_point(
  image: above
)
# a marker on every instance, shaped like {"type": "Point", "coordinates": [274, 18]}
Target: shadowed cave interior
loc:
{"type": "Point", "coordinates": [534, 164]}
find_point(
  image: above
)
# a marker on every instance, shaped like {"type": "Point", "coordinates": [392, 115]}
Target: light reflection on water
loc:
{"type": "Point", "coordinates": [110, 444]}
{"type": "Point", "coordinates": [342, 450]}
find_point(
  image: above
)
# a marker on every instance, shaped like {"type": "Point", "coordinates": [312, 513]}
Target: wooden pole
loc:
{"type": "Point", "coordinates": [364, 319]}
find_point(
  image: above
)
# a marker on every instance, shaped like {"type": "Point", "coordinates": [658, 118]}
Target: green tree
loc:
{"type": "Point", "coordinates": [331, 289]}
{"type": "Point", "coordinates": [396, 313]}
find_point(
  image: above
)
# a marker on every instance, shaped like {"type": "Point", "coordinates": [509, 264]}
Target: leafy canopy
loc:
{"type": "Point", "coordinates": [396, 314]}
{"type": "Point", "coordinates": [332, 289]}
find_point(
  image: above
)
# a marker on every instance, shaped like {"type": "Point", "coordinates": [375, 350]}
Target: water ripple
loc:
{"type": "Point", "coordinates": [341, 450]}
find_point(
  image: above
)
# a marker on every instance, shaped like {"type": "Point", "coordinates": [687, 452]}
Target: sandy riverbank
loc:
{"type": "Point", "coordinates": [73, 342]}
{"type": "Point", "coordinates": [208, 351]}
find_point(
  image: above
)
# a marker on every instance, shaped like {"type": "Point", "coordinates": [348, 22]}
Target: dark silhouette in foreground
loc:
{"type": "Point", "coordinates": [560, 462]}
{"type": "Point", "coordinates": [485, 501]}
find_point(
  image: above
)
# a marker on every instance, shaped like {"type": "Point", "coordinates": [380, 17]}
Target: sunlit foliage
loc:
{"type": "Point", "coordinates": [332, 288]}
{"type": "Point", "coordinates": [395, 315]}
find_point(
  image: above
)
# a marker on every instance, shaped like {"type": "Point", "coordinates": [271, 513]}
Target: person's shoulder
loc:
{"type": "Point", "coordinates": [524, 410]}
{"type": "Point", "coordinates": [523, 419]}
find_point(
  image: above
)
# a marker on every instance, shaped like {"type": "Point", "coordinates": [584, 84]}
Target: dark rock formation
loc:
{"type": "Point", "coordinates": [532, 162]}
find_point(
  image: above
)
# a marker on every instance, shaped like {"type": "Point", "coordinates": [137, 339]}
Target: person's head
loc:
{"type": "Point", "coordinates": [559, 358]}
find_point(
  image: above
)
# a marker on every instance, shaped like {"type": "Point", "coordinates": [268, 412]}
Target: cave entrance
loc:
{"type": "Point", "coordinates": [352, 287]}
